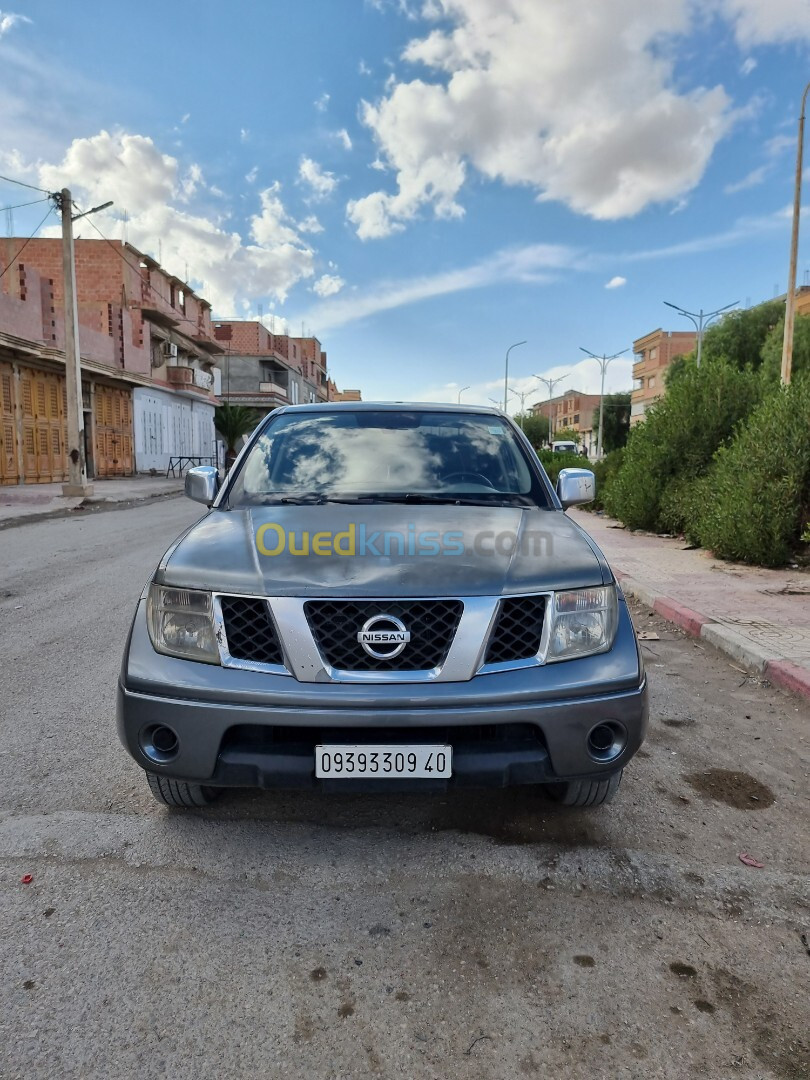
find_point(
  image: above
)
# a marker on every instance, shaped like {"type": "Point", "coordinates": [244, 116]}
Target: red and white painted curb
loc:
{"type": "Point", "coordinates": [779, 671]}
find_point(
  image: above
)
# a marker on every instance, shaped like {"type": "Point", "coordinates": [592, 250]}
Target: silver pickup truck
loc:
{"type": "Point", "coordinates": [383, 597]}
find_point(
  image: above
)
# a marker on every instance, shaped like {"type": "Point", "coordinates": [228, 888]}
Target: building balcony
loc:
{"type": "Point", "coordinates": [181, 376]}
{"type": "Point", "coordinates": [272, 388]}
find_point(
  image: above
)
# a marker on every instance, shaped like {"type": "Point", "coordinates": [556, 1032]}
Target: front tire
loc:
{"type": "Point", "coordinates": [586, 792]}
{"type": "Point", "coordinates": [179, 793]}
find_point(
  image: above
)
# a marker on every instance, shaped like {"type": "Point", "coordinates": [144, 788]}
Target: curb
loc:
{"type": "Point", "coordinates": [780, 672]}
{"type": "Point", "coordinates": [92, 505]}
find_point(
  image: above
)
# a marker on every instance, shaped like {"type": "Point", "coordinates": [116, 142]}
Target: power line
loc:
{"type": "Point", "coordinates": [18, 206]}
{"type": "Point", "coordinates": [27, 242]}
{"type": "Point", "coordinates": [22, 183]}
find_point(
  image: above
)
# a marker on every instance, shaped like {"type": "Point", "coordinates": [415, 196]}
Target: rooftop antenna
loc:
{"type": "Point", "coordinates": [160, 251]}
{"type": "Point", "coordinates": [9, 222]}
{"type": "Point", "coordinates": [125, 226]}
{"type": "Point", "coordinates": [260, 308]}
{"type": "Point", "coordinates": [186, 277]}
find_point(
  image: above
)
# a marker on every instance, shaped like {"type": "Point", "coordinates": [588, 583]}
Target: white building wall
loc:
{"type": "Point", "coordinates": [170, 425]}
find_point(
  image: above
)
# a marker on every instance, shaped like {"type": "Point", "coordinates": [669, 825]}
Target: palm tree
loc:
{"type": "Point", "coordinates": [232, 422]}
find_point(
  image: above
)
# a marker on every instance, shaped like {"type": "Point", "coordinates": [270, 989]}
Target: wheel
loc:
{"type": "Point", "coordinates": [179, 793]}
{"type": "Point", "coordinates": [586, 792]}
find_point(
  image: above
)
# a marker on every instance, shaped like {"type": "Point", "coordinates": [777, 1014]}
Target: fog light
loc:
{"type": "Point", "coordinates": [159, 743]}
{"type": "Point", "coordinates": [607, 741]}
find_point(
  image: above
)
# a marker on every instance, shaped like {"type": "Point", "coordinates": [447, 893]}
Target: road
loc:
{"type": "Point", "coordinates": [469, 936]}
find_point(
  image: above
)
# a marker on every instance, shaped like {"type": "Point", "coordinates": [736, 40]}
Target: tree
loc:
{"type": "Point", "coordinates": [232, 422]}
{"type": "Point", "coordinates": [772, 350]}
{"type": "Point", "coordinates": [616, 421]}
{"type": "Point", "coordinates": [740, 335]}
{"type": "Point", "coordinates": [535, 428]}
{"type": "Point", "coordinates": [567, 434]}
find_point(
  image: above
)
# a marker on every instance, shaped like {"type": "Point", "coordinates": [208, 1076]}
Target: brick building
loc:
{"type": "Point", "coordinates": [653, 354]}
{"type": "Point", "coordinates": [573, 410]}
{"type": "Point", "coordinates": [148, 359]}
{"type": "Point", "coordinates": [264, 370]}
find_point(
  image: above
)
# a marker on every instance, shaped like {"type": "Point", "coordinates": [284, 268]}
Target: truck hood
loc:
{"type": "Point", "coordinates": [485, 551]}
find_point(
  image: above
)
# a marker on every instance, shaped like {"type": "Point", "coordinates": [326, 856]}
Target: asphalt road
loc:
{"type": "Point", "coordinates": [489, 935]}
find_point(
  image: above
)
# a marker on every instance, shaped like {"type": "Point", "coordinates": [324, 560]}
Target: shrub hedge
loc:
{"type": "Point", "coordinates": [676, 443]}
{"type": "Point", "coordinates": [756, 498]}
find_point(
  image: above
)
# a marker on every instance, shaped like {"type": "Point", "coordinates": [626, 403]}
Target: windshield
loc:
{"type": "Point", "coordinates": [370, 455]}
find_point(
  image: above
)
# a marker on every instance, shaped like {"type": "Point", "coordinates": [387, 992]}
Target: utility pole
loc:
{"type": "Point", "coordinates": [77, 484]}
{"type": "Point", "coordinates": [461, 391]}
{"type": "Point", "coordinates": [550, 384]}
{"type": "Point", "coordinates": [603, 362]}
{"type": "Point", "coordinates": [506, 376]}
{"type": "Point", "coordinates": [790, 300]}
{"type": "Point", "coordinates": [701, 319]}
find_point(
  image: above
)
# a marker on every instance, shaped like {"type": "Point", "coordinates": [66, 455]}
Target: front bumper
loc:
{"type": "Point", "coordinates": [253, 729]}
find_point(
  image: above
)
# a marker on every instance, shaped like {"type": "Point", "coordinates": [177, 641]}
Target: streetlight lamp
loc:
{"type": "Point", "coordinates": [498, 405]}
{"type": "Point", "coordinates": [551, 383]}
{"type": "Point", "coordinates": [701, 319]}
{"type": "Point", "coordinates": [522, 394]}
{"type": "Point", "coordinates": [790, 300]}
{"type": "Point", "coordinates": [461, 391]}
{"type": "Point", "coordinates": [603, 362]}
{"type": "Point", "coordinates": [506, 375]}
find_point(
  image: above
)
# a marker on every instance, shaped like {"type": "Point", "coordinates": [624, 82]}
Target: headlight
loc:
{"type": "Point", "coordinates": [180, 623]}
{"type": "Point", "coordinates": [583, 622]}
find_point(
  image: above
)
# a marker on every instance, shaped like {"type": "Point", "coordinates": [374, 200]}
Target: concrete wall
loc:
{"type": "Point", "coordinates": [167, 425]}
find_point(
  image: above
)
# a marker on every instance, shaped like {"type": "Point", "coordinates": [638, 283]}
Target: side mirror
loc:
{"type": "Point", "coordinates": [575, 486]}
{"type": "Point", "coordinates": [202, 484]}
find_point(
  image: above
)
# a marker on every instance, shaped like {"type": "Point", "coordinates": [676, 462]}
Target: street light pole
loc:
{"type": "Point", "coordinates": [790, 300]}
{"type": "Point", "coordinates": [496, 403]}
{"type": "Point", "coordinates": [551, 383]}
{"type": "Point", "coordinates": [461, 391]}
{"type": "Point", "coordinates": [701, 319]}
{"type": "Point", "coordinates": [506, 375]}
{"type": "Point", "coordinates": [603, 362]}
{"type": "Point", "coordinates": [522, 394]}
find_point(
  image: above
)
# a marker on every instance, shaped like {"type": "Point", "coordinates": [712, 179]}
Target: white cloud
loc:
{"type": "Point", "coordinates": [130, 170]}
{"type": "Point", "coordinates": [9, 19]}
{"type": "Point", "coordinates": [616, 282]}
{"type": "Point", "coordinates": [751, 179]}
{"type": "Point", "coordinates": [310, 224]}
{"type": "Point", "coordinates": [251, 176]}
{"type": "Point", "coordinates": [344, 138]}
{"type": "Point", "coordinates": [244, 135]}
{"type": "Point", "coordinates": [774, 23]}
{"type": "Point", "coordinates": [320, 182]}
{"type": "Point", "coordinates": [524, 94]}
{"type": "Point", "coordinates": [535, 263]}
{"type": "Point", "coordinates": [328, 285]}
{"type": "Point", "coordinates": [748, 65]}
{"type": "Point", "coordinates": [322, 102]}
{"type": "Point", "coordinates": [363, 68]}
{"type": "Point", "coordinates": [184, 119]}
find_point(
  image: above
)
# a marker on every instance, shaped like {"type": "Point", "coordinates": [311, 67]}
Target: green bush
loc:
{"type": "Point", "coordinates": [758, 490]}
{"type": "Point", "coordinates": [604, 472]}
{"type": "Point", "coordinates": [552, 463]}
{"type": "Point", "coordinates": [677, 442]}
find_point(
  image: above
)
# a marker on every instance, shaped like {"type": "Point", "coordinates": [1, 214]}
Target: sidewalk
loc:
{"type": "Point", "coordinates": [759, 617]}
{"type": "Point", "coordinates": [32, 502]}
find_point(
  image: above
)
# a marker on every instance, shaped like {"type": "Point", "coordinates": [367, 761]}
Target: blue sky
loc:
{"type": "Point", "coordinates": [421, 183]}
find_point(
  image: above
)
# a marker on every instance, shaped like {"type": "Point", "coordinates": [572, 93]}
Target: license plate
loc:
{"type": "Point", "coordinates": [340, 762]}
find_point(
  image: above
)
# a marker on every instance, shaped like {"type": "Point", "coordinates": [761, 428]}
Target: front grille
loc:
{"type": "Point", "coordinates": [249, 630]}
{"type": "Point", "coordinates": [518, 629]}
{"type": "Point", "coordinates": [255, 738]}
{"type": "Point", "coordinates": [432, 625]}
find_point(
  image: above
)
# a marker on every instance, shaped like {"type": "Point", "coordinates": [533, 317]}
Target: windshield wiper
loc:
{"type": "Point", "coordinates": [319, 498]}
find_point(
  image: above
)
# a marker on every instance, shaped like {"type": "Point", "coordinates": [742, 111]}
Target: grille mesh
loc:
{"type": "Point", "coordinates": [432, 625]}
{"type": "Point", "coordinates": [249, 630]}
{"type": "Point", "coordinates": [518, 629]}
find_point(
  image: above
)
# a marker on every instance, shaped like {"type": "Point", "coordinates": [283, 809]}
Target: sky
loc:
{"type": "Point", "coordinates": [423, 183]}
